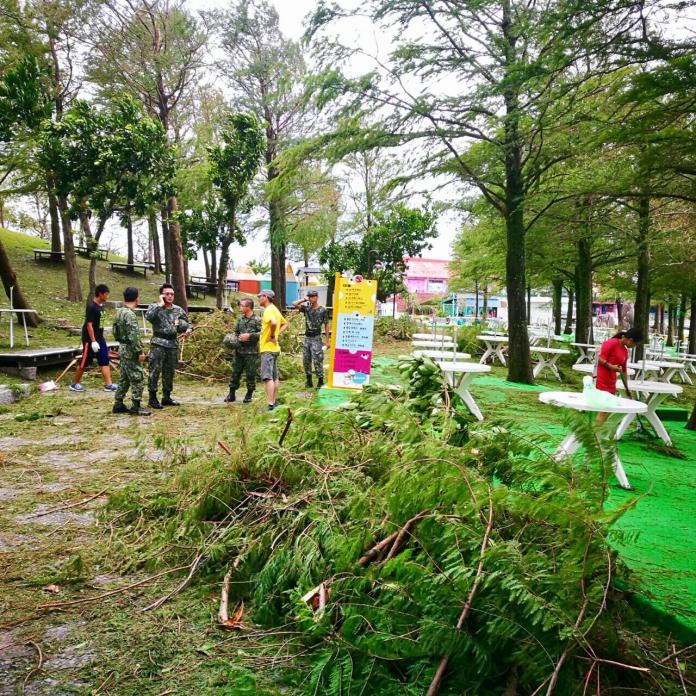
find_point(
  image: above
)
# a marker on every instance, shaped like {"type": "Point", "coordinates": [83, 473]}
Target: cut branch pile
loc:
{"type": "Point", "coordinates": [403, 565]}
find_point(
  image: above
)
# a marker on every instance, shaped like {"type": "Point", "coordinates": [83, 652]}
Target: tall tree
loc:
{"type": "Point", "coordinates": [265, 70]}
{"type": "Point", "coordinates": [155, 51]}
{"type": "Point", "coordinates": [233, 166]}
{"type": "Point", "coordinates": [467, 72]}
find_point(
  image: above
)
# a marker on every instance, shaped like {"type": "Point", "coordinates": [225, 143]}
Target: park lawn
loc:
{"type": "Point", "coordinates": [64, 454]}
{"type": "Point", "coordinates": [44, 284]}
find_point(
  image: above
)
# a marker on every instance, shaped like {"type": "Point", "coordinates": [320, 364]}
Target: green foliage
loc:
{"type": "Point", "coordinates": [401, 329]}
{"type": "Point", "coordinates": [488, 516]}
{"type": "Point", "coordinates": [398, 232]}
{"type": "Point", "coordinates": [23, 99]}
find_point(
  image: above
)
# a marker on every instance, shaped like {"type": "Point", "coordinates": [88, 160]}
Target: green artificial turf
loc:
{"type": "Point", "coordinates": [656, 537]}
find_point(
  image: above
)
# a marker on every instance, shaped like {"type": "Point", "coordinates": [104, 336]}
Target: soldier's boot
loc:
{"type": "Point", "coordinates": [320, 382]}
{"type": "Point", "coordinates": [119, 407]}
{"type": "Point", "coordinates": [248, 396]}
{"type": "Point", "coordinates": [153, 402]}
{"type": "Point", "coordinates": [309, 384]}
{"type": "Point", "coordinates": [167, 400]}
{"type": "Point", "coordinates": [137, 410]}
{"type": "Point", "coordinates": [230, 397]}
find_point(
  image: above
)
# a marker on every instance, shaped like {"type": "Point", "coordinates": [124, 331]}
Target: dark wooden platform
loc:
{"type": "Point", "coordinates": [25, 363]}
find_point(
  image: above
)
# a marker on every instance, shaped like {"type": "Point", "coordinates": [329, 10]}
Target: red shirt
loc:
{"type": "Point", "coordinates": [615, 354]}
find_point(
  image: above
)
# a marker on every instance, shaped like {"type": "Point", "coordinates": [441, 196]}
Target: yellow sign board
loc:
{"type": "Point", "coordinates": [352, 331]}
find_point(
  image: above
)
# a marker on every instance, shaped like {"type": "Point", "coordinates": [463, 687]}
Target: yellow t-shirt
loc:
{"type": "Point", "coordinates": [271, 314]}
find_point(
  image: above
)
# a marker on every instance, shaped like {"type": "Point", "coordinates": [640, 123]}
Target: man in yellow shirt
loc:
{"type": "Point", "coordinates": [273, 323]}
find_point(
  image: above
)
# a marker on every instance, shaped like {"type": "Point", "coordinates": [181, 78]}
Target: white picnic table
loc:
{"type": "Point", "coordinates": [665, 368]}
{"type": "Point", "coordinates": [689, 360]}
{"type": "Point", "coordinates": [578, 402]}
{"type": "Point", "coordinates": [587, 351]}
{"type": "Point", "coordinates": [547, 357]}
{"type": "Point", "coordinates": [495, 345]}
{"type": "Point", "coordinates": [653, 393]}
{"type": "Point", "coordinates": [589, 369]}
{"type": "Point", "coordinates": [23, 313]}
{"type": "Point", "coordinates": [446, 338]}
{"type": "Point", "coordinates": [677, 368]}
{"type": "Point", "coordinates": [459, 375]}
{"type": "Point", "coordinates": [441, 354]}
{"type": "Point", "coordinates": [644, 367]}
{"type": "Point", "coordinates": [422, 343]}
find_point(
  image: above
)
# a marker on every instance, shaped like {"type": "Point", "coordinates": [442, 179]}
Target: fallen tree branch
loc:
{"type": "Point", "coordinates": [377, 549]}
{"type": "Point", "coordinates": [224, 447]}
{"type": "Point", "coordinates": [60, 508]}
{"type": "Point", "coordinates": [192, 571]}
{"type": "Point", "coordinates": [223, 613]}
{"type": "Point", "coordinates": [439, 674]}
{"type": "Point", "coordinates": [403, 532]}
{"type": "Point", "coordinates": [59, 605]}
{"type": "Point", "coordinates": [286, 428]}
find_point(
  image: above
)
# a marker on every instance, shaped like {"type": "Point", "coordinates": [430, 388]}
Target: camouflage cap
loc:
{"type": "Point", "coordinates": [267, 293]}
{"type": "Point", "coordinates": [312, 293]}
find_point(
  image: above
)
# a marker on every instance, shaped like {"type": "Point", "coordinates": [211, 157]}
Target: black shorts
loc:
{"type": "Point", "coordinates": [88, 354]}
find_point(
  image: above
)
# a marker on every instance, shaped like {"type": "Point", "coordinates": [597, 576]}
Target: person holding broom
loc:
{"type": "Point", "coordinates": [613, 360]}
{"type": "Point", "coordinates": [130, 349]}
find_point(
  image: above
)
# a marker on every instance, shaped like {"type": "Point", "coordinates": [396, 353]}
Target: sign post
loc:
{"type": "Point", "coordinates": [351, 332]}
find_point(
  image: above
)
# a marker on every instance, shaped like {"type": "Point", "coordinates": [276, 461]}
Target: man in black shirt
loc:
{"type": "Point", "coordinates": [93, 343]}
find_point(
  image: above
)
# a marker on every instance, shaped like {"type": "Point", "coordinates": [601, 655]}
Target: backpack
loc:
{"type": "Point", "coordinates": [116, 328]}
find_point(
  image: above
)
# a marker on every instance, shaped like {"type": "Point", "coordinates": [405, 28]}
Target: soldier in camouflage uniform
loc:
{"type": "Point", "coordinates": [168, 321]}
{"type": "Point", "coordinates": [130, 349]}
{"type": "Point", "coordinates": [316, 317]}
{"type": "Point", "coordinates": [245, 340]}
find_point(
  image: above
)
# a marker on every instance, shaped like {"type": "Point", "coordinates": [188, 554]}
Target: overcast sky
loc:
{"type": "Point", "coordinates": [292, 14]}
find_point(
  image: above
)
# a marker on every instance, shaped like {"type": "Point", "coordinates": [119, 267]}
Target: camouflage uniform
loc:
{"type": "Point", "coordinates": [167, 324]}
{"type": "Point", "coordinates": [130, 347]}
{"type": "Point", "coordinates": [246, 357]}
{"type": "Point", "coordinates": [313, 352]}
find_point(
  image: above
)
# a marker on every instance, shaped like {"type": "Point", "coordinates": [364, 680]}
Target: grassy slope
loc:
{"type": "Point", "coordinates": [44, 283]}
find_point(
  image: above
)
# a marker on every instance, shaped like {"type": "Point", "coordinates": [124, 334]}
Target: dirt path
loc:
{"type": "Point", "coordinates": [61, 456]}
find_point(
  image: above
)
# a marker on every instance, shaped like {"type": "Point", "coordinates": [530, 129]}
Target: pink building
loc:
{"type": "Point", "coordinates": [424, 279]}
{"type": "Point", "coordinates": [426, 276]}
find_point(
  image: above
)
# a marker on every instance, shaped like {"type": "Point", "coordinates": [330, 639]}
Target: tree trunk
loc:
{"type": "Point", "coordinates": [691, 425]}
{"type": "Point", "coordinates": [569, 314]}
{"type": "Point", "coordinates": [484, 310]}
{"type": "Point", "coordinates": [9, 280]}
{"type": "Point", "coordinates": [206, 263]}
{"type": "Point", "coordinates": [619, 312]}
{"type": "Point", "coordinates": [154, 239]}
{"type": "Point", "coordinates": [56, 244]}
{"type": "Point", "coordinates": [74, 289]}
{"type": "Point", "coordinates": [583, 271]}
{"type": "Point", "coordinates": [519, 365]}
{"type": "Point", "coordinates": [680, 320]}
{"type": "Point", "coordinates": [224, 262]}
{"type": "Point", "coordinates": [165, 244]}
{"type": "Point", "coordinates": [91, 244]}
{"type": "Point", "coordinates": [129, 237]}
{"type": "Point", "coordinates": [476, 304]}
{"type": "Point", "coordinates": [529, 305]}
{"type": "Point", "coordinates": [277, 236]}
{"type": "Point", "coordinates": [662, 318]}
{"type": "Point", "coordinates": [213, 263]}
{"type": "Point", "coordinates": [187, 273]}
{"type": "Point", "coordinates": [176, 255]}
{"type": "Point", "coordinates": [101, 224]}
{"type": "Point", "coordinates": [692, 326]}
{"type": "Point", "coordinates": [641, 317]}
{"type": "Point", "coordinates": [671, 311]}
{"type": "Point", "coordinates": [557, 304]}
